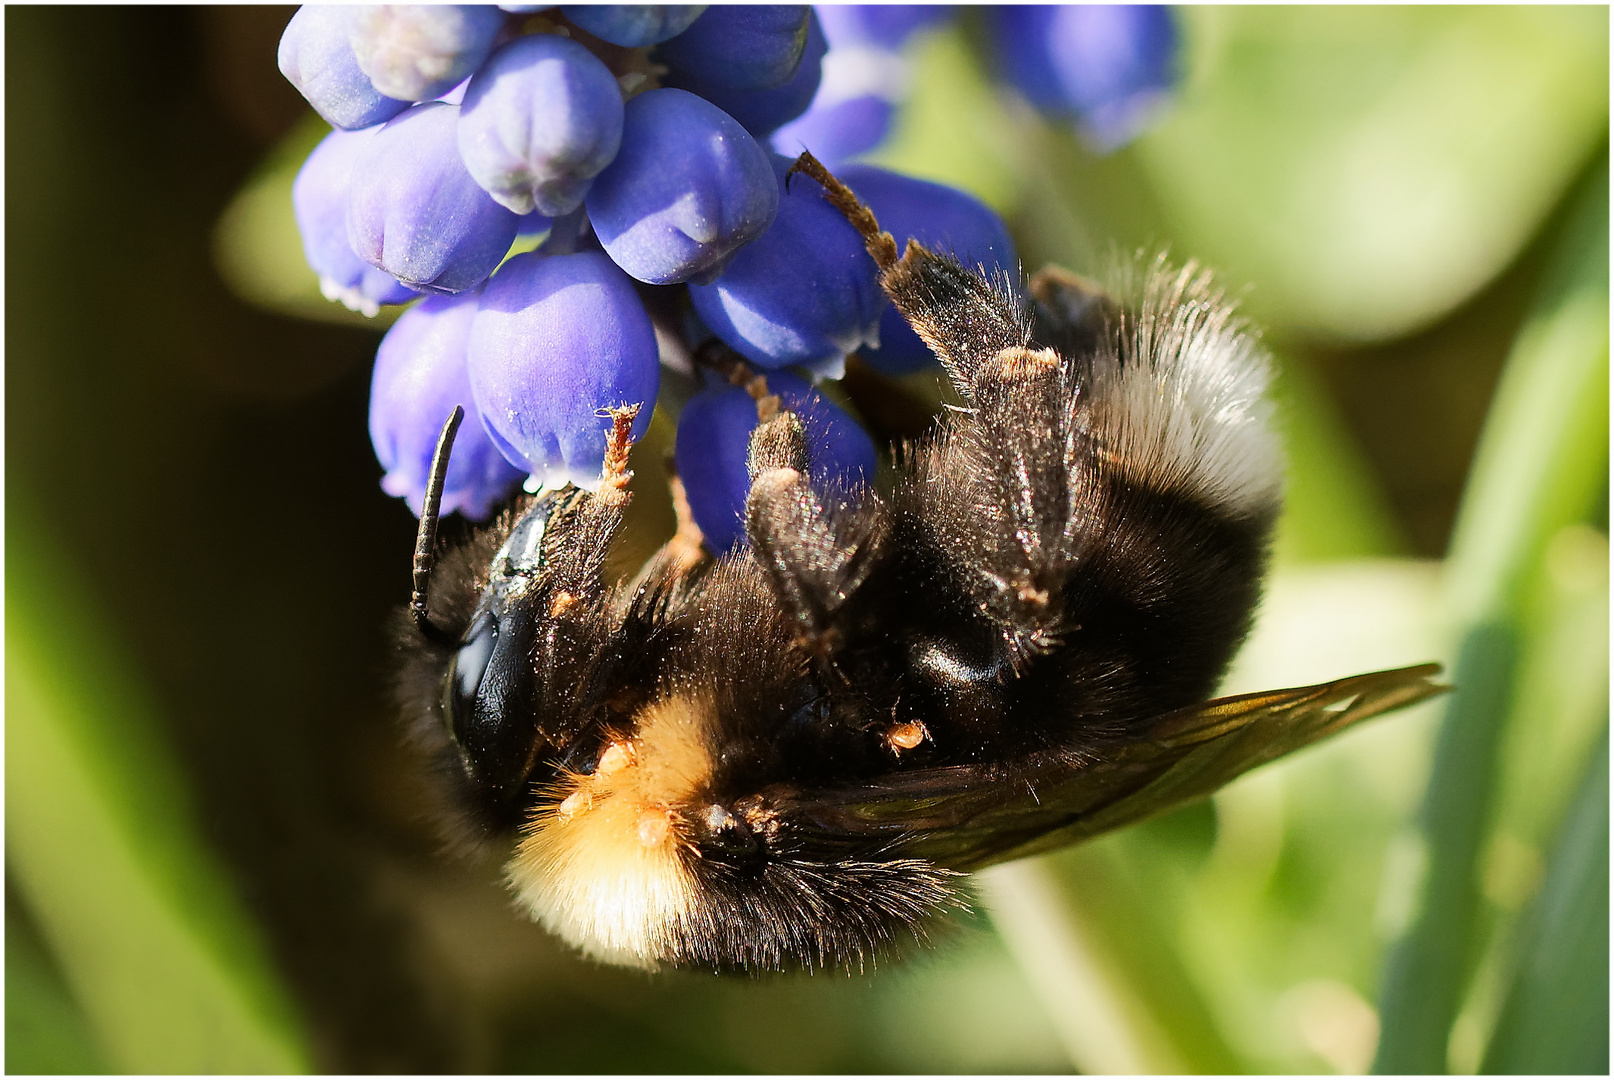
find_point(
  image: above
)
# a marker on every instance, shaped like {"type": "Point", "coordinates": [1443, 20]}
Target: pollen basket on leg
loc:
{"type": "Point", "coordinates": [605, 867]}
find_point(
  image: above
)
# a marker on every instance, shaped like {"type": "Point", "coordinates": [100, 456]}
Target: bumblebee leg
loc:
{"type": "Point", "coordinates": [577, 567]}
{"type": "Point", "coordinates": [614, 474]}
{"type": "Point", "coordinates": [687, 549]}
{"type": "Point", "coordinates": [962, 316]}
{"type": "Point", "coordinates": [1014, 461]}
{"type": "Point", "coordinates": [1026, 459]}
{"type": "Point", "coordinates": [683, 559]}
{"type": "Point", "coordinates": [1006, 498]}
{"type": "Point", "coordinates": [815, 557]}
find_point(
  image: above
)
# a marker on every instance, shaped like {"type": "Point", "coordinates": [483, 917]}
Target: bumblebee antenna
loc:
{"type": "Point", "coordinates": [426, 538]}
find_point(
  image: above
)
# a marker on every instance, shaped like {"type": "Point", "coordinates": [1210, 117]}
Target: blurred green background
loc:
{"type": "Point", "coordinates": [213, 860]}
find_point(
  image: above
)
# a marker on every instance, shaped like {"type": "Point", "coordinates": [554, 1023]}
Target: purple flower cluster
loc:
{"type": "Point", "coordinates": [1103, 68]}
{"type": "Point", "coordinates": [628, 151]}
{"type": "Point", "coordinates": [865, 78]}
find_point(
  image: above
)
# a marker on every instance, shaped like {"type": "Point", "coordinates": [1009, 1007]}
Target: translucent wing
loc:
{"type": "Point", "coordinates": [970, 816]}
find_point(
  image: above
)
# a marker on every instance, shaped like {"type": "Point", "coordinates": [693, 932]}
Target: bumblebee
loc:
{"type": "Point", "coordinates": [791, 755]}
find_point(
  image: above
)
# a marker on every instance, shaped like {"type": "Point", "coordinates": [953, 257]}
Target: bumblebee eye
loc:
{"type": "Point", "coordinates": [488, 698]}
{"type": "Point", "coordinates": [469, 665]}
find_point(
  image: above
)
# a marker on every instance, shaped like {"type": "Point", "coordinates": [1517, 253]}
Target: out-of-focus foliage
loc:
{"type": "Point", "coordinates": [102, 847]}
{"type": "Point", "coordinates": [46, 1031]}
{"type": "Point", "coordinates": [259, 252]}
{"type": "Point", "coordinates": [1367, 169]}
{"type": "Point", "coordinates": [1357, 174]}
{"type": "Point", "coordinates": [1554, 1017]}
{"type": "Point", "coordinates": [1541, 463]}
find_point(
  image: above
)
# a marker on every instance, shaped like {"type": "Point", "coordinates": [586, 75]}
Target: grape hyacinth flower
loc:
{"type": "Point", "coordinates": [714, 434]}
{"type": "Point", "coordinates": [319, 202]}
{"type": "Point", "coordinates": [533, 224]}
{"type": "Point", "coordinates": [414, 210]}
{"type": "Point", "coordinates": [762, 111]}
{"type": "Point", "coordinates": [523, 164]}
{"type": "Point", "coordinates": [557, 339]}
{"type": "Point", "coordinates": [418, 51]}
{"type": "Point", "coordinates": [1107, 67]}
{"type": "Point", "coordinates": [420, 375]}
{"type": "Point", "coordinates": [456, 94]}
{"type": "Point", "coordinates": [316, 57]}
{"type": "Point", "coordinates": [864, 79]}
{"type": "Point", "coordinates": [741, 46]}
{"type": "Point", "coordinates": [883, 26]}
{"type": "Point", "coordinates": [687, 190]}
{"type": "Point", "coordinates": [633, 25]}
{"type": "Point", "coordinates": [805, 292]}
{"type": "Point", "coordinates": [539, 122]}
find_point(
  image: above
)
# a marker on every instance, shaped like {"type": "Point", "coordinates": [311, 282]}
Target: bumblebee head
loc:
{"type": "Point", "coordinates": [492, 700]}
{"type": "Point", "coordinates": [507, 714]}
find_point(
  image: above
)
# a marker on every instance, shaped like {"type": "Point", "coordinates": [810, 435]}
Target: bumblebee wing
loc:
{"type": "Point", "coordinates": [968, 817]}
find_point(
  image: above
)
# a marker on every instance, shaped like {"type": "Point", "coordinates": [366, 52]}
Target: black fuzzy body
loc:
{"type": "Point", "coordinates": [1026, 596]}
